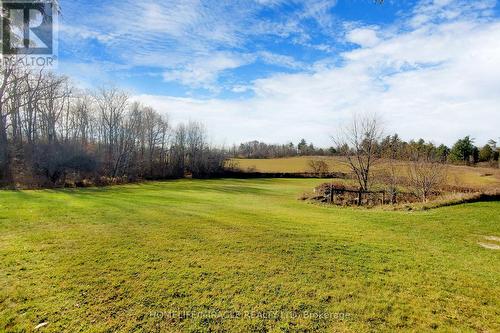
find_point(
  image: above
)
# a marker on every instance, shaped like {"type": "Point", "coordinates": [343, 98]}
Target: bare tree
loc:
{"type": "Point", "coordinates": [83, 119]}
{"type": "Point", "coordinates": [358, 144]}
{"type": "Point", "coordinates": [154, 127]}
{"type": "Point", "coordinates": [390, 175]}
{"type": "Point", "coordinates": [426, 175]}
{"type": "Point", "coordinates": [178, 151]}
{"type": "Point", "coordinates": [51, 134]}
{"type": "Point", "coordinates": [111, 104]}
{"type": "Point", "coordinates": [52, 103]}
{"type": "Point", "coordinates": [196, 147]}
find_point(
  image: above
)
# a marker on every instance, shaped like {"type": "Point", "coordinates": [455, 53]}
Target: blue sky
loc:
{"type": "Point", "coordinates": [279, 70]}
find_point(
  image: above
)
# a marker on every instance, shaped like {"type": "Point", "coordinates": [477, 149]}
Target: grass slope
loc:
{"type": "Point", "coordinates": [123, 258]}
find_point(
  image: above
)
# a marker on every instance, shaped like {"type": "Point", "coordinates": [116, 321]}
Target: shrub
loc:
{"type": "Point", "coordinates": [319, 167]}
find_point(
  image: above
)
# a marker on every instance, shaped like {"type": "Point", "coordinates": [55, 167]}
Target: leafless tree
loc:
{"type": "Point", "coordinates": [426, 175]}
{"type": "Point", "coordinates": [53, 107]}
{"type": "Point", "coordinates": [358, 144]}
{"type": "Point", "coordinates": [154, 126]}
{"type": "Point", "coordinates": [51, 133]}
{"type": "Point", "coordinates": [390, 175]}
{"type": "Point", "coordinates": [83, 119]}
{"type": "Point", "coordinates": [111, 104]}
{"type": "Point", "coordinates": [196, 147]}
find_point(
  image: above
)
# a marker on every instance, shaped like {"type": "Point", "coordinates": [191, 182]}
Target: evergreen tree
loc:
{"type": "Point", "coordinates": [486, 154]}
{"type": "Point", "coordinates": [442, 153]}
{"type": "Point", "coordinates": [462, 150]}
{"type": "Point", "coordinates": [302, 147]}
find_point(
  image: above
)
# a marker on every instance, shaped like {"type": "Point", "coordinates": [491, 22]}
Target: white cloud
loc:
{"type": "Point", "coordinates": [319, 10]}
{"type": "Point", "coordinates": [281, 60]}
{"type": "Point", "coordinates": [445, 10]}
{"type": "Point", "coordinates": [185, 39]}
{"type": "Point", "coordinates": [435, 75]}
{"type": "Point", "coordinates": [438, 81]}
{"type": "Point", "coordinates": [204, 71]}
{"type": "Point", "coordinates": [363, 37]}
{"type": "Point", "coordinates": [240, 88]}
{"type": "Point", "coordinates": [270, 2]}
{"type": "Point", "coordinates": [72, 31]}
{"type": "Point", "coordinates": [297, 24]}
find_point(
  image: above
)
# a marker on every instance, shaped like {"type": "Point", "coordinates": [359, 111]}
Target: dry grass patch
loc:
{"type": "Point", "coordinates": [493, 243]}
{"type": "Point", "coordinates": [482, 178]}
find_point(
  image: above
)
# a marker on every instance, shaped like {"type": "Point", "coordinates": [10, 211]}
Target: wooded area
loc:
{"type": "Point", "coordinates": [53, 134]}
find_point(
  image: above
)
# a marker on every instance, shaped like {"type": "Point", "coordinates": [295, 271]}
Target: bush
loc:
{"type": "Point", "coordinates": [319, 167]}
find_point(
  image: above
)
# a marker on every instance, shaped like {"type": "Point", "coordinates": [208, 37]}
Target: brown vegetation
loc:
{"type": "Point", "coordinates": [54, 135]}
{"type": "Point", "coordinates": [343, 195]}
{"type": "Point", "coordinates": [319, 167]}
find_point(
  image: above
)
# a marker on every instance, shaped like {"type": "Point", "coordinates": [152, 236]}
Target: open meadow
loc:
{"type": "Point", "coordinates": [480, 177]}
{"type": "Point", "coordinates": [241, 255]}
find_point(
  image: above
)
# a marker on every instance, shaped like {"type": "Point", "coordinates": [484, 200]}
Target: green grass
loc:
{"type": "Point", "coordinates": [116, 259]}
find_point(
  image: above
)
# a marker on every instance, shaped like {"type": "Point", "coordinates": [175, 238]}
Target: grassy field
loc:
{"type": "Point", "coordinates": [241, 256]}
{"type": "Point", "coordinates": [457, 175]}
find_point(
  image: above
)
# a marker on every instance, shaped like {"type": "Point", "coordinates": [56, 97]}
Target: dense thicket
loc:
{"type": "Point", "coordinates": [52, 134]}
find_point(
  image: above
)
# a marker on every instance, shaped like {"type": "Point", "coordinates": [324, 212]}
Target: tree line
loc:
{"type": "Point", "coordinates": [464, 151]}
{"type": "Point", "coordinates": [260, 150]}
{"type": "Point", "coordinates": [53, 134]}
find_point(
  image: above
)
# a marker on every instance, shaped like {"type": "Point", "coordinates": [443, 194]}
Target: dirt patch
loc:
{"type": "Point", "coordinates": [490, 246]}
{"type": "Point", "coordinates": [492, 238]}
{"type": "Point", "coordinates": [493, 244]}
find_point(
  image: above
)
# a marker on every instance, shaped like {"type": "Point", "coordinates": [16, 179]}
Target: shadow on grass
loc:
{"type": "Point", "coordinates": [157, 192]}
{"type": "Point", "coordinates": [480, 197]}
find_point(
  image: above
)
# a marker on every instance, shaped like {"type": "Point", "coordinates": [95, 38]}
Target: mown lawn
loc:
{"type": "Point", "coordinates": [240, 256]}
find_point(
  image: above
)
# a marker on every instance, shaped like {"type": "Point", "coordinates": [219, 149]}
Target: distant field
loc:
{"type": "Point", "coordinates": [241, 256]}
{"type": "Point", "coordinates": [457, 175]}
